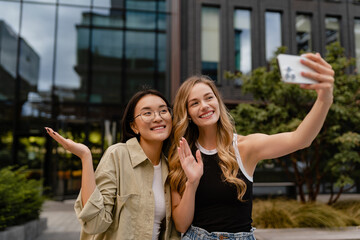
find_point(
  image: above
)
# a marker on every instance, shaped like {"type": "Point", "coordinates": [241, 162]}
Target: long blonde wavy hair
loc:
{"type": "Point", "coordinates": [182, 127]}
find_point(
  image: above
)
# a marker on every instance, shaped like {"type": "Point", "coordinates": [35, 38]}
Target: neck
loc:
{"type": "Point", "coordinates": [207, 137]}
{"type": "Point", "coordinates": [152, 150]}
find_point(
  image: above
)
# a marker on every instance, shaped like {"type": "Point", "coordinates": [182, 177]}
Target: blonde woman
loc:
{"type": "Point", "coordinates": [211, 167]}
{"type": "Point", "coordinates": [128, 197]}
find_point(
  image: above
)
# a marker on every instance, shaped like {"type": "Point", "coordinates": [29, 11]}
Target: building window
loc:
{"type": "Point", "coordinates": [303, 33]}
{"type": "Point", "coordinates": [242, 33]}
{"type": "Point", "coordinates": [357, 43]}
{"type": "Point", "coordinates": [210, 42]}
{"type": "Point", "coordinates": [273, 33]}
{"type": "Point", "coordinates": [332, 29]}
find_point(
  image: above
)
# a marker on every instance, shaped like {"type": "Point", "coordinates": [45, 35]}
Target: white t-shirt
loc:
{"type": "Point", "coordinates": [159, 196]}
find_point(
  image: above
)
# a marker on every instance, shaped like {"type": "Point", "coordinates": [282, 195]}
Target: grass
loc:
{"type": "Point", "coordinates": [281, 213]}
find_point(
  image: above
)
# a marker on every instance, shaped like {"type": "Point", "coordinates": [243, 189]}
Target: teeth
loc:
{"type": "Point", "coordinates": [207, 115]}
{"type": "Point", "coordinates": [159, 128]}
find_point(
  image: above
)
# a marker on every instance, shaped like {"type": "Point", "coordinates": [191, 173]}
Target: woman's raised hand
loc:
{"type": "Point", "coordinates": [78, 149]}
{"type": "Point", "coordinates": [192, 168]}
{"type": "Point", "coordinates": [324, 75]}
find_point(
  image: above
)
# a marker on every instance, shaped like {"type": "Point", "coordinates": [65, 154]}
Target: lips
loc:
{"type": "Point", "coordinates": [207, 115]}
{"type": "Point", "coordinates": [158, 127]}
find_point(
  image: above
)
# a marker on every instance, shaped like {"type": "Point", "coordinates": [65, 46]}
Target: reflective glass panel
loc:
{"type": "Point", "coordinates": [161, 84]}
{"type": "Point", "coordinates": [210, 42]}
{"type": "Point", "coordinates": [107, 54]}
{"type": "Point", "coordinates": [357, 43]}
{"type": "Point", "coordinates": [242, 41]}
{"type": "Point", "coordinates": [142, 20]}
{"type": "Point", "coordinates": [72, 54]}
{"type": "Point", "coordinates": [36, 64]}
{"type": "Point", "coordinates": [6, 133]}
{"type": "Point", "coordinates": [145, 20]}
{"type": "Point", "coordinates": [9, 32]}
{"type": "Point", "coordinates": [107, 18]}
{"type": "Point", "coordinates": [332, 30]}
{"type": "Point", "coordinates": [68, 165]}
{"type": "Point", "coordinates": [140, 61]}
{"type": "Point", "coordinates": [149, 5]}
{"type": "Point", "coordinates": [303, 33]}
{"type": "Point", "coordinates": [273, 33]}
{"type": "Point", "coordinates": [41, 1]}
{"type": "Point", "coordinates": [85, 3]}
{"type": "Point", "coordinates": [31, 152]}
{"type": "Point", "coordinates": [37, 46]}
{"type": "Point", "coordinates": [109, 3]}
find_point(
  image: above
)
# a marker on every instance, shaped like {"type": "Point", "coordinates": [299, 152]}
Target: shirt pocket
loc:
{"type": "Point", "coordinates": [126, 210]}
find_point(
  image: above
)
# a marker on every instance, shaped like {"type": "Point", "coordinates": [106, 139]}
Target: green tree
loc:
{"type": "Point", "coordinates": [278, 107]}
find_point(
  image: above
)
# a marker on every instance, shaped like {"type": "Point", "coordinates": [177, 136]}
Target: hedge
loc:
{"type": "Point", "coordinates": [20, 198]}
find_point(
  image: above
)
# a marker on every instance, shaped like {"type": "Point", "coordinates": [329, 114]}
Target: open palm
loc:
{"type": "Point", "coordinates": [192, 168]}
{"type": "Point", "coordinates": [77, 149]}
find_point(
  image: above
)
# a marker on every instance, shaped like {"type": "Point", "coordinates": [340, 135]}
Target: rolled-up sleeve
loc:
{"type": "Point", "coordinates": [96, 216]}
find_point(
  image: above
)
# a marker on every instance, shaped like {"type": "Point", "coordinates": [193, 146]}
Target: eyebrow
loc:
{"type": "Point", "coordinates": [206, 94]}
{"type": "Point", "coordinates": [149, 108]}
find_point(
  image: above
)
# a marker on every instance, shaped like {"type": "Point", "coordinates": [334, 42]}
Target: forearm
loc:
{"type": "Point", "coordinates": [88, 183]}
{"type": "Point", "coordinates": [183, 213]}
{"type": "Point", "coordinates": [312, 123]}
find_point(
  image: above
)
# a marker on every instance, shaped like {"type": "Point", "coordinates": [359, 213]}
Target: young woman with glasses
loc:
{"type": "Point", "coordinates": [212, 167]}
{"type": "Point", "coordinates": [128, 197]}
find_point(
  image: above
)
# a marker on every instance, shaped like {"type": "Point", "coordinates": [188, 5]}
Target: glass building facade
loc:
{"type": "Point", "coordinates": [73, 65]}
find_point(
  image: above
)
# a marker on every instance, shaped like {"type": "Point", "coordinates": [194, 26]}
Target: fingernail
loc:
{"type": "Point", "coordinates": [54, 133]}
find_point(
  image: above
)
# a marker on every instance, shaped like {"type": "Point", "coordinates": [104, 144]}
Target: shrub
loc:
{"type": "Point", "coordinates": [280, 213]}
{"type": "Point", "coordinates": [350, 207]}
{"type": "Point", "coordinates": [20, 198]}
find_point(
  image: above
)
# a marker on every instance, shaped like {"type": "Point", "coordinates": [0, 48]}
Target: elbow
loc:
{"type": "Point", "coordinates": [305, 145]}
{"type": "Point", "coordinates": [181, 227]}
{"type": "Point", "coordinates": [94, 230]}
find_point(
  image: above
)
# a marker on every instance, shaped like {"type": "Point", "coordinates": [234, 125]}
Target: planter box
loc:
{"type": "Point", "coordinates": [28, 231]}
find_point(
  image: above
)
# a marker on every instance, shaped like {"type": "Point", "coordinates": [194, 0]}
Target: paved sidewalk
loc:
{"type": "Point", "coordinates": [352, 233]}
{"type": "Point", "coordinates": [63, 224]}
{"type": "Point", "coordinates": [61, 221]}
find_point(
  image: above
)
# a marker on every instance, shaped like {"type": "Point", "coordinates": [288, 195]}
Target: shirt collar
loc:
{"type": "Point", "coordinates": [137, 154]}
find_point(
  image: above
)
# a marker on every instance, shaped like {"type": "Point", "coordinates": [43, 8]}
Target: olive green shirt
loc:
{"type": "Point", "coordinates": [122, 205]}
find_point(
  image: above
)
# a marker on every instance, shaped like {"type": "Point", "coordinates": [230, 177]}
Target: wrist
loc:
{"type": "Point", "coordinates": [191, 185]}
{"type": "Point", "coordinates": [86, 157]}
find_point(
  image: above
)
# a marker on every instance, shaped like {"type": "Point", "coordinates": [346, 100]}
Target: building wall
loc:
{"type": "Point", "coordinates": [347, 12]}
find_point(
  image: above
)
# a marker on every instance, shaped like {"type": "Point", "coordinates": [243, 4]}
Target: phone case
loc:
{"type": "Point", "coordinates": [290, 69]}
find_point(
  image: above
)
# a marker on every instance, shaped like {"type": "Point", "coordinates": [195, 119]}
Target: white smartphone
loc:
{"type": "Point", "coordinates": [290, 69]}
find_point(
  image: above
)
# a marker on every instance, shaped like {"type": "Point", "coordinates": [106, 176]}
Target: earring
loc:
{"type": "Point", "coordinates": [136, 132]}
{"type": "Point", "coordinates": [189, 120]}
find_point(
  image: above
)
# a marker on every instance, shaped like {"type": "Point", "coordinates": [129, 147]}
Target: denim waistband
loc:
{"type": "Point", "coordinates": [196, 233]}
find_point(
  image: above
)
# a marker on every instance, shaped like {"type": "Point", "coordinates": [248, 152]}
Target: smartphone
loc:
{"type": "Point", "coordinates": [290, 69]}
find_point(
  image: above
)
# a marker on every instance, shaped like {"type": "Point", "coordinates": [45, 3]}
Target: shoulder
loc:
{"type": "Point", "coordinates": [251, 138]}
{"type": "Point", "coordinates": [117, 148]}
{"type": "Point", "coordinates": [111, 156]}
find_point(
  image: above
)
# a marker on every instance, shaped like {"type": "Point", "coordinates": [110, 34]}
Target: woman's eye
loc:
{"type": "Point", "coordinates": [193, 104]}
{"type": "Point", "coordinates": [164, 111]}
{"type": "Point", "coordinates": [147, 113]}
{"type": "Point", "coordinates": [210, 97]}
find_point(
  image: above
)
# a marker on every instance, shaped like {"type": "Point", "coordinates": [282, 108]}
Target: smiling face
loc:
{"type": "Point", "coordinates": [156, 130]}
{"type": "Point", "coordinates": [203, 106]}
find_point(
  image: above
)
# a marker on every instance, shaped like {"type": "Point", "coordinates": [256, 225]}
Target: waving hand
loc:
{"type": "Point", "coordinates": [192, 168]}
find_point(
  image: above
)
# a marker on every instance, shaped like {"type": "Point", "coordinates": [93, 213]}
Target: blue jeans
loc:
{"type": "Point", "coordinates": [195, 233]}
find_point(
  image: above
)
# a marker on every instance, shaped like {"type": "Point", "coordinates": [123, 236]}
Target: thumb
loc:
{"type": "Point", "coordinates": [198, 157]}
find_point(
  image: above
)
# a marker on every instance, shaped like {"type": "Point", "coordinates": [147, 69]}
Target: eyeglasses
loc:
{"type": "Point", "coordinates": [148, 116]}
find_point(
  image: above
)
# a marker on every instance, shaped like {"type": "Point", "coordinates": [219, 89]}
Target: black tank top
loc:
{"type": "Point", "coordinates": [217, 208]}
